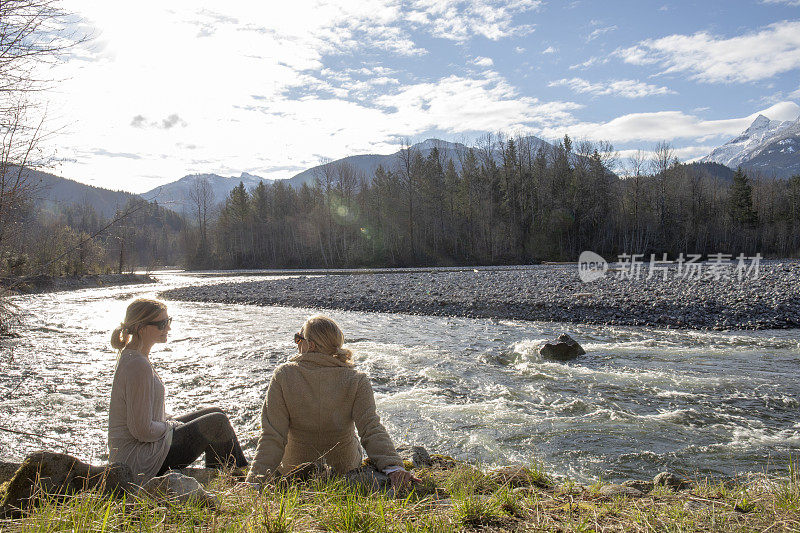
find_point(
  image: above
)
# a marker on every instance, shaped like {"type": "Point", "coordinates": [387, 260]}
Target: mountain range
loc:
{"type": "Point", "coordinates": [49, 192]}
{"type": "Point", "coordinates": [176, 195]}
{"type": "Point", "coordinates": [769, 146]}
{"type": "Point", "coordinates": [368, 164]}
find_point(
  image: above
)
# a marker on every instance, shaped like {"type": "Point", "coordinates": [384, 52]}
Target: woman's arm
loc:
{"type": "Point", "coordinates": [139, 397]}
{"type": "Point", "coordinates": [274, 432]}
{"type": "Point", "coordinates": [374, 438]}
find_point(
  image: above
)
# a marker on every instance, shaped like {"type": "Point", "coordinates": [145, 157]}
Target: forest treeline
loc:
{"type": "Point", "coordinates": [506, 200]}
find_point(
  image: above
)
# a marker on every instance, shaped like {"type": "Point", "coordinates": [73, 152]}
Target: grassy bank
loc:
{"type": "Point", "coordinates": [454, 498]}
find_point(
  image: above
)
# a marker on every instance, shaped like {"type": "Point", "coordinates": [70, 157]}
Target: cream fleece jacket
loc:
{"type": "Point", "coordinates": [138, 433]}
{"type": "Point", "coordinates": [314, 404]}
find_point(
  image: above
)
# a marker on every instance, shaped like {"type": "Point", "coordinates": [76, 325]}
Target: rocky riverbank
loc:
{"type": "Point", "coordinates": [540, 292]}
{"type": "Point", "coordinates": [43, 284]}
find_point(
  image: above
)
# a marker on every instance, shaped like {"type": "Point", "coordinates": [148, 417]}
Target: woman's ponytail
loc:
{"type": "Point", "coordinates": [119, 337]}
{"type": "Point", "coordinates": [344, 355]}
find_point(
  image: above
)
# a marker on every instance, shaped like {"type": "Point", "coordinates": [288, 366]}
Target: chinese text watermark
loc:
{"type": "Point", "coordinates": [592, 266]}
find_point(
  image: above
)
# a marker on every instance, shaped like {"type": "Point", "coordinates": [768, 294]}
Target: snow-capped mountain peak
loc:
{"type": "Point", "coordinates": [747, 145]}
{"type": "Point", "coordinates": [760, 122]}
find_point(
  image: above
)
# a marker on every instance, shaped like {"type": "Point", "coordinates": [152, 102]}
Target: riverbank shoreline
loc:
{"type": "Point", "coordinates": [452, 496]}
{"type": "Point", "coordinates": [43, 284]}
{"type": "Point", "coordinates": [536, 293]}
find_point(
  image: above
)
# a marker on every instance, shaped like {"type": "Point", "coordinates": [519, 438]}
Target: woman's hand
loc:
{"type": "Point", "coordinates": [401, 478]}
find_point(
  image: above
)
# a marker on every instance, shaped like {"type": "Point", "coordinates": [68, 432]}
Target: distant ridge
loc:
{"type": "Point", "coordinates": [50, 191]}
{"type": "Point", "coordinates": [716, 170]}
{"type": "Point", "coordinates": [367, 164]}
{"type": "Point", "coordinates": [175, 195]}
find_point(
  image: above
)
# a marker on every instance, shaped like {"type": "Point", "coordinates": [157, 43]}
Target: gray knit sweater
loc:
{"type": "Point", "coordinates": [138, 432]}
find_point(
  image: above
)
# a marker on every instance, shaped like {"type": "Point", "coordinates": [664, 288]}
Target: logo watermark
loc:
{"type": "Point", "coordinates": [717, 267]}
{"type": "Point", "coordinates": [591, 266]}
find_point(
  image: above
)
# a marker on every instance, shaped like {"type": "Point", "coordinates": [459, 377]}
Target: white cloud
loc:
{"type": "Point", "coordinates": [793, 3]}
{"type": "Point", "coordinates": [140, 121]}
{"type": "Point", "coordinates": [550, 50]}
{"type": "Point", "coordinates": [684, 153]}
{"type": "Point", "coordinates": [592, 61]}
{"type": "Point", "coordinates": [707, 58]}
{"type": "Point", "coordinates": [598, 32]}
{"type": "Point", "coordinates": [778, 96]}
{"type": "Point", "coordinates": [456, 105]}
{"type": "Point", "coordinates": [384, 80]}
{"type": "Point", "coordinates": [624, 88]}
{"type": "Point", "coordinates": [460, 19]}
{"type": "Point", "coordinates": [483, 61]}
{"type": "Point", "coordinates": [667, 125]}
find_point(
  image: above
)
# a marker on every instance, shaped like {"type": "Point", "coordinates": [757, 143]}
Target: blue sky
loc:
{"type": "Point", "coordinates": [269, 88]}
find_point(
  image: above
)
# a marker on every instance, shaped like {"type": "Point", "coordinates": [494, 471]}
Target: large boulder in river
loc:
{"type": "Point", "coordinates": [60, 474]}
{"type": "Point", "coordinates": [564, 349]}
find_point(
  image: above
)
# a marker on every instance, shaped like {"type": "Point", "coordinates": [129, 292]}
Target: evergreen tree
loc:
{"type": "Point", "coordinates": [740, 200]}
{"type": "Point", "coordinates": [794, 198]}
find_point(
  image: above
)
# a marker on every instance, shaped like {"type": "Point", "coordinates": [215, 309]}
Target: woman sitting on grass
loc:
{"type": "Point", "coordinates": [139, 433]}
{"type": "Point", "coordinates": [314, 404]}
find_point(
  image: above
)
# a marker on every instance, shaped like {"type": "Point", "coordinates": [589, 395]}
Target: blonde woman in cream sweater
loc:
{"type": "Point", "coordinates": [315, 403]}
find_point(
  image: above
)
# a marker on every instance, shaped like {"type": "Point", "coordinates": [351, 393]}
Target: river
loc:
{"type": "Point", "coordinates": [641, 401]}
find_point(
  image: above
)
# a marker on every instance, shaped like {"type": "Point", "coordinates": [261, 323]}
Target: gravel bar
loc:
{"type": "Point", "coordinates": [540, 292]}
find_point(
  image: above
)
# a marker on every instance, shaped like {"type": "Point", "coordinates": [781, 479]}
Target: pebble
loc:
{"type": "Point", "coordinates": [644, 486]}
{"type": "Point", "coordinates": [670, 480]}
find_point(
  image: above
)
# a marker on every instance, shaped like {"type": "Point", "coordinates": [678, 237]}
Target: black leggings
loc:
{"type": "Point", "coordinates": [207, 430]}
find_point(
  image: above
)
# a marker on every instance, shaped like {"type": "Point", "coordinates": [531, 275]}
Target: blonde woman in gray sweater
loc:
{"type": "Point", "coordinates": [139, 432]}
{"type": "Point", "coordinates": [315, 403]}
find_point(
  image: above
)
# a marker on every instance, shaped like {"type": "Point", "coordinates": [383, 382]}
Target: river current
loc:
{"type": "Point", "coordinates": [641, 401]}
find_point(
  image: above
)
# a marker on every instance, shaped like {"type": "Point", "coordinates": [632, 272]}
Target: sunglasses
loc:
{"type": "Point", "coordinates": [298, 338]}
{"type": "Point", "coordinates": [161, 324]}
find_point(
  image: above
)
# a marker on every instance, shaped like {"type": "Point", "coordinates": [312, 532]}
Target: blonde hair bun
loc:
{"type": "Point", "coordinates": [327, 336]}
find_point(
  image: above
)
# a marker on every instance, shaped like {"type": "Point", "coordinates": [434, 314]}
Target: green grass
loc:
{"type": "Point", "coordinates": [454, 497]}
{"type": "Point", "coordinates": [477, 510]}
